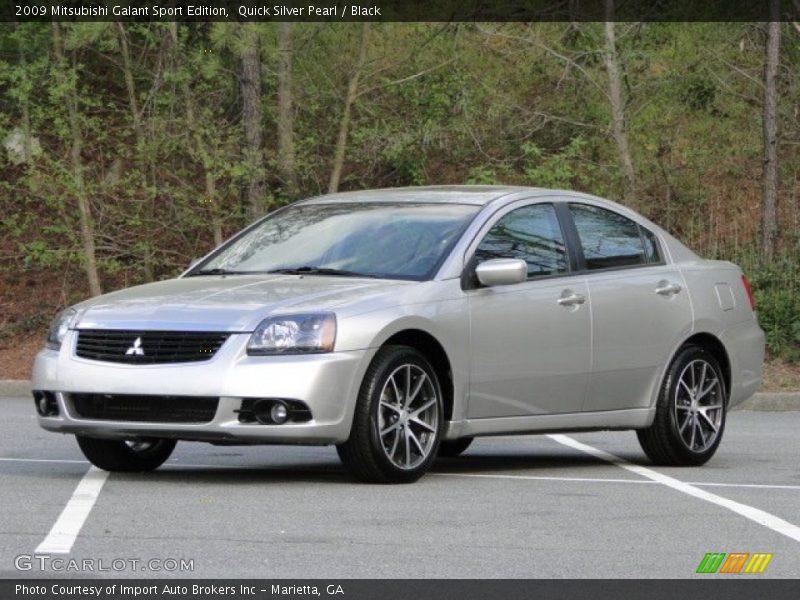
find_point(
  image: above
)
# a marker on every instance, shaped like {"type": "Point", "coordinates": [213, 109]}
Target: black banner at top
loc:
{"type": "Point", "coordinates": [399, 10]}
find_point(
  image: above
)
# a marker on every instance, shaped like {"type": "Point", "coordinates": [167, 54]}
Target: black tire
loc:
{"type": "Point", "coordinates": [663, 441]}
{"type": "Point", "coordinates": [364, 454]}
{"type": "Point", "coordinates": [124, 456]}
{"type": "Point", "coordinates": [453, 448]}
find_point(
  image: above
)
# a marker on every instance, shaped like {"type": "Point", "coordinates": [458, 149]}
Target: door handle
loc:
{"type": "Point", "coordinates": [667, 289]}
{"type": "Point", "coordinates": [572, 299]}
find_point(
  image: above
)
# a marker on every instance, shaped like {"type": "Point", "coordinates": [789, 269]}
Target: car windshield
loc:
{"type": "Point", "coordinates": [385, 240]}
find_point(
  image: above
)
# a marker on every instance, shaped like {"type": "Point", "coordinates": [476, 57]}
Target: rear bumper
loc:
{"type": "Point", "coordinates": [745, 343]}
{"type": "Point", "coordinates": [326, 383]}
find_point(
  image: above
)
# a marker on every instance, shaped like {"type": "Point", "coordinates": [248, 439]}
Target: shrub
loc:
{"type": "Point", "coordinates": [776, 287]}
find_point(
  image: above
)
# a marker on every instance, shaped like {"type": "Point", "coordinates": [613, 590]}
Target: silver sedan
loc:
{"type": "Point", "coordinates": [399, 324]}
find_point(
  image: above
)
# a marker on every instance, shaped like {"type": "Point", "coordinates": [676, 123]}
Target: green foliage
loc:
{"type": "Point", "coordinates": [513, 103]}
{"type": "Point", "coordinates": [778, 312]}
{"type": "Point", "coordinates": [39, 253]}
{"type": "Point", "coordinates": [698, 92]}
{"type": "Point", "coordinates": [776, 287]}
{"type": "Point", "coordinates": [482, 175]}
{"type": "Point", "coordinates": [563, 169]}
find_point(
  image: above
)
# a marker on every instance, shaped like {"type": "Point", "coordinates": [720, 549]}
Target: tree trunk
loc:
{"type": "Point", "coordinates": [344, 122]}
{"type": "Point", "coordinates": [251, 119]}
{"type": "Point", "coordinates": [618, 121]}
{"type": "Point", "coordinates": [129, 84]}
{"type": "Point", "coordinates": [211, 194]}
{"type": "Point", "coordinates": [25, 101]}
{"type": "Point", "coordinates": [84, 209]}
{"type": "Point", "coordinates": [769, 194]}
{"type": "Point", "coordinates": [286, 162]}
{"type": "Point", "coordinates": [139, 134]}
{"type": "Point", "coordinates": [199, 145]}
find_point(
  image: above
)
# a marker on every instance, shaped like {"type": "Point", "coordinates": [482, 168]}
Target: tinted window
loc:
{"type": "Point", "coordinates": [608, 239]}
{"type": "Point", "coordinates": [531, 233]}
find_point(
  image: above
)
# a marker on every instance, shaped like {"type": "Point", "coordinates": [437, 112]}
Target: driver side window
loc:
{"type": "Point", "coordinates": [531, 233]}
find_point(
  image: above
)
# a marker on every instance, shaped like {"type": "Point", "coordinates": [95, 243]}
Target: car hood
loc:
{"type": "Point", "coordinates": [232, 303]}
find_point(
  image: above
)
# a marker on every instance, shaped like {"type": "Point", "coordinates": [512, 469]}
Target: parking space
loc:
{"type": "Point", "coordinates": [510, 507]}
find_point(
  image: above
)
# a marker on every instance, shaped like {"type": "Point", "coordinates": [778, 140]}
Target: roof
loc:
{"type": "Point", "coordinates": [454, 194]}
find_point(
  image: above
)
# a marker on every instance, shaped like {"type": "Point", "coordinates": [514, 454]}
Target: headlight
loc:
{"type": "Point", "coordinates": [294, 334]}
{"type": "Point", "coordinates": [59, 328]}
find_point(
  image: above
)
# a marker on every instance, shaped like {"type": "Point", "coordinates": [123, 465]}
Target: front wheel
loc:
{"type": "Point", "coordinates": [398, 419]}
{"type": "Point", "coordinates": [128, 456]}
{"type": "Point", "coordinates": [690, 412]}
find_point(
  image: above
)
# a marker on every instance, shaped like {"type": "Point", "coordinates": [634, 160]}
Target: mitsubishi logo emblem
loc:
{"type": "Point", "coordinates": [136, 349]}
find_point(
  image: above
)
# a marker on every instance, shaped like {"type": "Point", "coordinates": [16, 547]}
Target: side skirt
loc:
{"type": "Point", "coordinates": [634, 418]}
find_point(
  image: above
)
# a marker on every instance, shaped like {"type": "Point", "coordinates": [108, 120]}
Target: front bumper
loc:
{"type": "Point", "coordinates": [327, 383]}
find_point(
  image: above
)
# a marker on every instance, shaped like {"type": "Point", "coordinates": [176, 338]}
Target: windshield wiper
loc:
{"type": "Point", "coordinates": [311, 270]}
{"type": "Point", "coordinates": [216, 271]}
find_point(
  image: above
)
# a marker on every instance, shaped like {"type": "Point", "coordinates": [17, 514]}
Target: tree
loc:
{"type": "Point", "coordinates": [617, 103]}
{"type": "Point", "coordinates": [344, 120]}
{"type": "Point", "coordinates": [144, 165]}
{"type": "Point", "coordinates": [285, 124]}
{"type": "Point", "coordinates": [201, 150]}
{"type": "Point", "coordinates": [252, 119]}
{"type": "Point", "coordinates": [66, 75]}
{"type": "Point", "coordinates": [769, 193]}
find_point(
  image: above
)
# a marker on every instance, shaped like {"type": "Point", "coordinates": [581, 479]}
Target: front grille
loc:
{"type": "Point", "coordinates": [149, 409]}
{"type": "Point", "coordinates": [148, 347]}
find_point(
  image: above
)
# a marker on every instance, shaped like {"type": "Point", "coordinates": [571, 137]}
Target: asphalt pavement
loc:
{"type": "Point", "coordinates": [520, 507]}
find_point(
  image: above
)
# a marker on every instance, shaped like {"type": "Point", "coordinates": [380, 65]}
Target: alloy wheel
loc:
{"type": "Point", "coordinates": [408, 416]}
{"type": "Point", "coordinates": [698, 405]}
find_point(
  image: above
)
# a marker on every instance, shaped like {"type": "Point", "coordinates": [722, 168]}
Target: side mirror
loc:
{"type": "Point", "coordinates": [193, 264]}
{"type": "Point", "coordinates": [502, 271]}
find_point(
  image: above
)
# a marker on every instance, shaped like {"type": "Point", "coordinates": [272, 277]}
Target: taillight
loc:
{"type": "Point", "coordinates": [749, 291]}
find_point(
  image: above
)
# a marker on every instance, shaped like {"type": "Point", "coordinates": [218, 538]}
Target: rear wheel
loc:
{"type": "Point", "coordinates": [398, 419]}
{"type": "Point", "coordinates": [690, 412]}
{"type": "Point", "coordinates": [453, 448]}
{"type": "Point", "coordinates": [146, 454]}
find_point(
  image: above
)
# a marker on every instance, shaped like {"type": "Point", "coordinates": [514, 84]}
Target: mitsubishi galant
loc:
{"type": "Point", "coordinates": [400, 324]}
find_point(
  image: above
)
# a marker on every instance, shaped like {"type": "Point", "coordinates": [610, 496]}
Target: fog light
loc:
{"type": "Point", "coordinates": [273, 411]}
{"type": "Point", "coordinates": [46, 403]}
{"type": "Point", "coordinates": [278, 413]}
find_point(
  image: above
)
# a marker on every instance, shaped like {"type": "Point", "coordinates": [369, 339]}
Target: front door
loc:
{"type": "Point", "coordinates": [530, 342]}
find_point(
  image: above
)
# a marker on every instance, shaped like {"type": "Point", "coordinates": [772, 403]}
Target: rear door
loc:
{"type": "Point", "coordinates": [530, 342]}
{"type": "Point", "coordinates": [639, 307]}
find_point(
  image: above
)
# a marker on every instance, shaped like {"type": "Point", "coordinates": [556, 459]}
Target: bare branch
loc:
{"type": "Point", "coordinates": [739, 70]}
{"type": "Point", "coordinates": [552, 52]}
{"type": "Point", "coordinates": [405, 79]}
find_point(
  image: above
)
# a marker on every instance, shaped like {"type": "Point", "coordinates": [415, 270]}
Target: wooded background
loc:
{"type": "Point", "coordinates": [130, 149]}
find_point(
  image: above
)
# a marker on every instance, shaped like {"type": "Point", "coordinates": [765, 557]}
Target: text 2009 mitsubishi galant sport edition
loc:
{"type": "Point", "coordinates": [399, 324]}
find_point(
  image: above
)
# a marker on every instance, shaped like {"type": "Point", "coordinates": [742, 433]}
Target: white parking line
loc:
{"type": "Point", "coordinates": [544, 478]}
{"type": "Point", "coordinates": [45, 460]}
{"type": "Point", "coordinates": [69, 523]}
{"type": "Point", "coordinates": [766, 486]}
{"type": "Point", "coordinates": [754, 514]}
